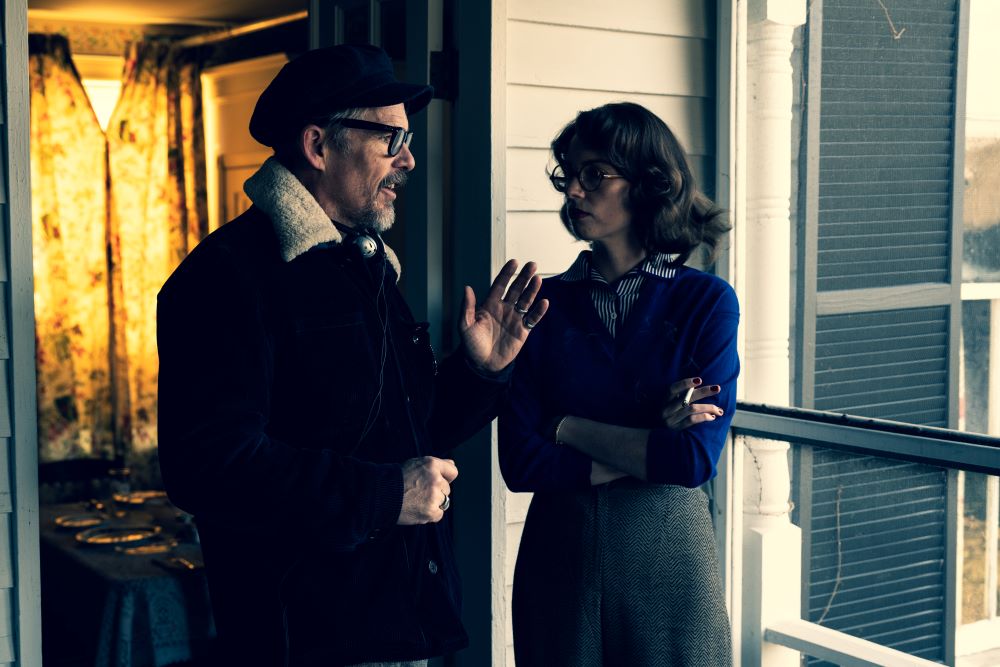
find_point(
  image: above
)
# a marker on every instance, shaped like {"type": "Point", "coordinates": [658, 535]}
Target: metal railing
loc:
{"type": "Point", "coordinates": [940, 447]}
{"type": "Point", "coordinates": [877, 437]}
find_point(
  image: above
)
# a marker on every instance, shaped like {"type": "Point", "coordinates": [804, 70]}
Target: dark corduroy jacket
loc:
{"type": "Point", "coordinates": [282, 429]}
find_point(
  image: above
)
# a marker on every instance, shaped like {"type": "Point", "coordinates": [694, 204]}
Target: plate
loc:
{"type": "Point", "coordinates": [180, 564]}
{"type": "Point", "coordinates": [120, 534]}
{"type": "Point", "coordinates": [80, 520]}
{"type": "Point", "coordinates": [157, 544]}
{"type": "Point", "coordinates": [139, 497]}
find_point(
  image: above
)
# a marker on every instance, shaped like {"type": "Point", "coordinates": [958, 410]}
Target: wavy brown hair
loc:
{"type": "Point", "coordinates": [669, 213]}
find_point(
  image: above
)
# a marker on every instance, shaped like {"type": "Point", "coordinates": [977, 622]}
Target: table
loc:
{"type": "Point", "coordinates": [122, 610]}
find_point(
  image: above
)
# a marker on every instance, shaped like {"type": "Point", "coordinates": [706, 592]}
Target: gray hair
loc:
{"type": "Point", "coordinates": [289, 152]}
{"type": "Point", "coordinates": [334, 131]}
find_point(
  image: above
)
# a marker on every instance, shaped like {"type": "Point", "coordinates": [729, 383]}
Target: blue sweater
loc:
{"type": "Point", "coordinates": [680, 327]}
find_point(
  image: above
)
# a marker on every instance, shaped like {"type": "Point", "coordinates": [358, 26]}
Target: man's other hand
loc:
{"type": "Point", "coordinates": [426, 490]}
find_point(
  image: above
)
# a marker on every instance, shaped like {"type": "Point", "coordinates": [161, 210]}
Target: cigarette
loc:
{"type": "Point", "coordinates": [686, 401]}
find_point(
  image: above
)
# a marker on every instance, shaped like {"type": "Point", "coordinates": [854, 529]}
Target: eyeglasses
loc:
{"type": "Point", "coordinates": [590, 177]}
{"type": "Point", "coordinates": [397, 140]}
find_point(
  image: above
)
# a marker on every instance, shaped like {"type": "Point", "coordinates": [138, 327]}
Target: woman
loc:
{"type": "Point", "coordinates": [619, 410]}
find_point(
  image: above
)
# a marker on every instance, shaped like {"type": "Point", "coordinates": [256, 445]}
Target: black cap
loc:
{"type": "Point", "coordinates": [324, 81]}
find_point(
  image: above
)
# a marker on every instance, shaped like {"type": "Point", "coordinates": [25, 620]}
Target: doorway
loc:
{"type": "Point", "coordinates": [121, 578]}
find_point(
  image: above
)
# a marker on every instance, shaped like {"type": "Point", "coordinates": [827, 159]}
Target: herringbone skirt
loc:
{"type": "Point", "coordinates": [623, 574]}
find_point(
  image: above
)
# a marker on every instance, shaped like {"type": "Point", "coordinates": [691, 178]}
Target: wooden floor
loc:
{"type": "Point", "coordinates": [985, 659]}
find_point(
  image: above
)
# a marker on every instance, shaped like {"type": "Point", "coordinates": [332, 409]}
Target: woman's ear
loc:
{"type": "Point", "coordinates": [312, 141]}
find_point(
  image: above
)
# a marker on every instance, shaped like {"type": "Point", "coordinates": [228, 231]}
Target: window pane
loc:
{"type": "Point", "coordinates": [997, 564]}
{"type": "Point", "coordinates": [981, 209]}
{"type": "Point", "coordinates": [103, 94]}
{"type": "Point", "coordinates": [974, 549]}
{"type": "Point", "coordinates": [974, 389]}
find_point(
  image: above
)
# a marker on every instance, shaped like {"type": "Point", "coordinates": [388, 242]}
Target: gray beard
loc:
{"type": "Point", "coordinates": [379, 221]}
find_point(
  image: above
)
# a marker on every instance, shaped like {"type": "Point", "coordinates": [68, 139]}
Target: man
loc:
{"type": "Point", "coordinates": [303, 416]}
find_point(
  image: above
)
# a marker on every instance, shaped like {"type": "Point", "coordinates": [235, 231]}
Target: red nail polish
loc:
{"type": "Point", "coordinates": [716, 387]}
{"type": "Point", "coordinates": [697, 381]}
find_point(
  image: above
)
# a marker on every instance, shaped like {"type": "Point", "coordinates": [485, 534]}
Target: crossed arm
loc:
{"type": "Point", "coordinates": [620, 451]}
{"type": "Point", "coordinates": [680, 445]}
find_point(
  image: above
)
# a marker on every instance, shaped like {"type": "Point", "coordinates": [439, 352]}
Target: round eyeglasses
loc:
{"type": "Point", "coordinates": [589, 176]}
{"type": "Point", "coordinates": [398, 137]}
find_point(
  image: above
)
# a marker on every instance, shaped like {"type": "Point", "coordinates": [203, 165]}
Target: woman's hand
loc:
{"type": "Point", "coordinates": [681, 410]}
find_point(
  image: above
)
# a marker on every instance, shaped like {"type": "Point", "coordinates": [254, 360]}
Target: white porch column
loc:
{"type": "Point", "coordinates": [771, 544]}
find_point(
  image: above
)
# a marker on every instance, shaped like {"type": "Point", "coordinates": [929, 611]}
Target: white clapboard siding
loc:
{"type": "Point", "coordinates": [682, 18]}
{"type": "Point", "coordinates": [528, 187]}
{"type": "Point", "coordinates": [593, 59]}
{"type": "Point", "coordinates": [536, 114]}
{"type": "Point", "coordinates": [564, 57]}
{"type": "Point", "coordinates": [541, 238]}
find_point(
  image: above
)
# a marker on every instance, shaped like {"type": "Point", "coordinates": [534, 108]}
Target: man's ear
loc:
{"type": "Point", "coordinates": [313, 143]}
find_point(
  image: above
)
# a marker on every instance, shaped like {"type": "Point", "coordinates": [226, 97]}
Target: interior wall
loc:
{"type": "Point", "coordinates": [231, 154]}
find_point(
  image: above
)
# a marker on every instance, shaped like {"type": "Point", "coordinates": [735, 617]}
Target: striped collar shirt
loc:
{"type": "Point", "coordinates": [614, 301]}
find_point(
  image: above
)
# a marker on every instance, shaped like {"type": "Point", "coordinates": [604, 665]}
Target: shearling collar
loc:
{"type": "Point", "coordinates": [298, 219]}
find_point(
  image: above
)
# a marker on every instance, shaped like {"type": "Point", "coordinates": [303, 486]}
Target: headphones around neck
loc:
{"type": "Point", "coordinates": [367, 243]}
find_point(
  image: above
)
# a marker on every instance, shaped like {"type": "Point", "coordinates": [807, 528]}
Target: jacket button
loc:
{"type": "Point", "coordinates": [416, 339]}
{"type": "Point", "coordinates": [432, 567]}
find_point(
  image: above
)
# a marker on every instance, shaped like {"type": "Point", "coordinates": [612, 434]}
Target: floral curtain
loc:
{"type": "Point", "coordinates": [158, 212]}
{"type": "Point", "coordinates": [69, 240]}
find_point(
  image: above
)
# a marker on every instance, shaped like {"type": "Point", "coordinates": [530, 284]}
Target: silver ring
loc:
{"type": "Point", "coordinates": [529, 325]}
{"type": "Point", "coordinates": [446, 504]}
{"type": "Point", "coordinates": [520, 311]}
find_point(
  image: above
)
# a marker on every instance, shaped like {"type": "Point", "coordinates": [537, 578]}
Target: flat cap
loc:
{"type": "Point", "coordinates": [323, 81]}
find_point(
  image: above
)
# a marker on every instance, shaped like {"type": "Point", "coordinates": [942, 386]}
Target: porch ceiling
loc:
{"type": "Point", "coordinates": [189, 12]}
